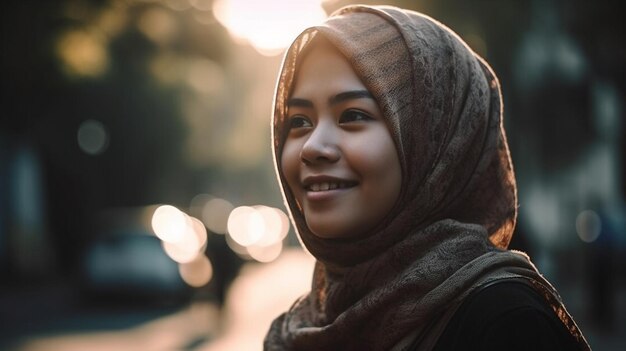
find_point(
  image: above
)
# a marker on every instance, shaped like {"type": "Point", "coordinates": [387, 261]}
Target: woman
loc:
{"type": "Point", "coordinates": [390, 151]}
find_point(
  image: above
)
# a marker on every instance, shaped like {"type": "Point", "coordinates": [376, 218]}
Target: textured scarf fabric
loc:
{"type": "Point", "coordinates": [448, 232]}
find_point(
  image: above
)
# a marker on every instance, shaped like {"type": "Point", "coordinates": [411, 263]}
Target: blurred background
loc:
{"type": "Point", "coordinates": [138, 203]}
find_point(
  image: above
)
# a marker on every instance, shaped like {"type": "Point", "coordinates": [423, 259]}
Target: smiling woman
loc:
{"type": "Point", "coordinates": [339, 158]}
{"type": "Point", "coordinates": [390, 150]}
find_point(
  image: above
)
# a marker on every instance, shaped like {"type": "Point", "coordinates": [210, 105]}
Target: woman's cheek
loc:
{"type": "Point", "coordinates": [289, 164]}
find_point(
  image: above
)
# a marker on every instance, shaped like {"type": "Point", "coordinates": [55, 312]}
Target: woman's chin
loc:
{"type": "Point", "coordinates": [332, 231]}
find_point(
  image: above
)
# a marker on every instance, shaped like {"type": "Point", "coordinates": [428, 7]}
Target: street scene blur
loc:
{"type": "Point", "coordinates": [139, 206]}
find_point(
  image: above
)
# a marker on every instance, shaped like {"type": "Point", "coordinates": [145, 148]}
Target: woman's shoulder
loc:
{"type": "Point", "coordinates": [507, 315]}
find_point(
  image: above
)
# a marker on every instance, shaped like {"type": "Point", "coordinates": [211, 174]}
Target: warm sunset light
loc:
{"type": "Point", "coordinates": [269, 26]}
{"type": "Point", "coordinates": [145, 148]}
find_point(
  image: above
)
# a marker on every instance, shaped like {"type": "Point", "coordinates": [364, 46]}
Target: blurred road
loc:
{"type": "Point", "coordinates": [55, 318]}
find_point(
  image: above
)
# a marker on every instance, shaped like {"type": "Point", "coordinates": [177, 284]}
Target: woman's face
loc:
{"type": "Point", "coordinates": [339, 159]}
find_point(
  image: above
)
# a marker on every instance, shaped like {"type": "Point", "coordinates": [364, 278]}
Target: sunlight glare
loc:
{"type": "Point", "coordinates": [269, 26]}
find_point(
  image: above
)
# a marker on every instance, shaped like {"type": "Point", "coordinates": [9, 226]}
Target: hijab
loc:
{"type": "Point", "coordinates": [448, 231]}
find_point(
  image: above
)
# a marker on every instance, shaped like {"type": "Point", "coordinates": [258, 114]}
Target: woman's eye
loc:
{"type": "Point", "coordinates": [299, 122]}
{"type": "Point", "coordinates": [354, 116]}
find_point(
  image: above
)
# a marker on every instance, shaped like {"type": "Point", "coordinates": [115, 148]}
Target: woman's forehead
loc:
{"type": "Point", "coordinates": [324, 70]}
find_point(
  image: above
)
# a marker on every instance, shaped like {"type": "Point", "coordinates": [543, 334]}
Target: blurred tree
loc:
{"type": "Point", "coordinates": [69, 61]}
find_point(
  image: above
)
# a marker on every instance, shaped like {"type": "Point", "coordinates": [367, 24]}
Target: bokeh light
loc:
{"type": "Point", "coordinates": [240, 250]}
{"type": "Point", "coordinates": [269, 26]}
{"type": "Point", "coordinates": [588, 226]}
{"type": "Point", "coordinates": [165, 67]}
{"type": "Point", "coordinates": [158, 25]}
{"type": "Point", "coordinates": [215, 214]}
{"type": "Point", "coordinates": [200, 232]}
{"type": "Point", "coordinates": [265, 253]}
{"type": "Point", "coordinates": [82, 53]}
{"type": "Point", "coordinates": [246, 225]}
{"type": "Point", "coordinates": [275, 229]}
{"type": "Point", "coordinates": [113, 19]}
{"type": "Point", "coordinates": [192, 243]}
{"type": "Point", "coordinates": [205, 76]}
{"type": "Point", "coordinates": [198, 272]}
{"type": "Point", "coordinates": [257, 232]}
{"type": "Point", "coordinates": [184, 240]}
{"type": "Point", "coordinates": [169, 223]}
{"type": "Point", "coordinates": [93, 138]}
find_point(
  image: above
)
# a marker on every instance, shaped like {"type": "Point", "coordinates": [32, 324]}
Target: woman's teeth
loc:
{"type": "Point", "coordinates": [327, 186]}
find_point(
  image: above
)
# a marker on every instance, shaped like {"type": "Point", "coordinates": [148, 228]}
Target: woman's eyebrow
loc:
{"type": "Point", "coordinates": [333, 100]}
{"type": "Point", "coordinates": [299, 103]}
{"type": "Point", "coordinates": [350, 95]}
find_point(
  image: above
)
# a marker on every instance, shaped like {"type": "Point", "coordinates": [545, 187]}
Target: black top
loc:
{"type": "Point", "coordinates": [508, 315]}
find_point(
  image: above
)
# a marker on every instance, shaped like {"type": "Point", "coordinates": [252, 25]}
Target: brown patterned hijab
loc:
{"type": "Point", "coordinates": [449, 230]}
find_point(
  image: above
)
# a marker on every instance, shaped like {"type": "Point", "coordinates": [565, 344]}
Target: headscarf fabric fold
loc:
{"type": "Point", "coordinates": [448, 232]}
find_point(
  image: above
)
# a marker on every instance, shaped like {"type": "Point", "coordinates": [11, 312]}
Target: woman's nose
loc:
{"type": "Point", "coordinates": [322, 145]}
